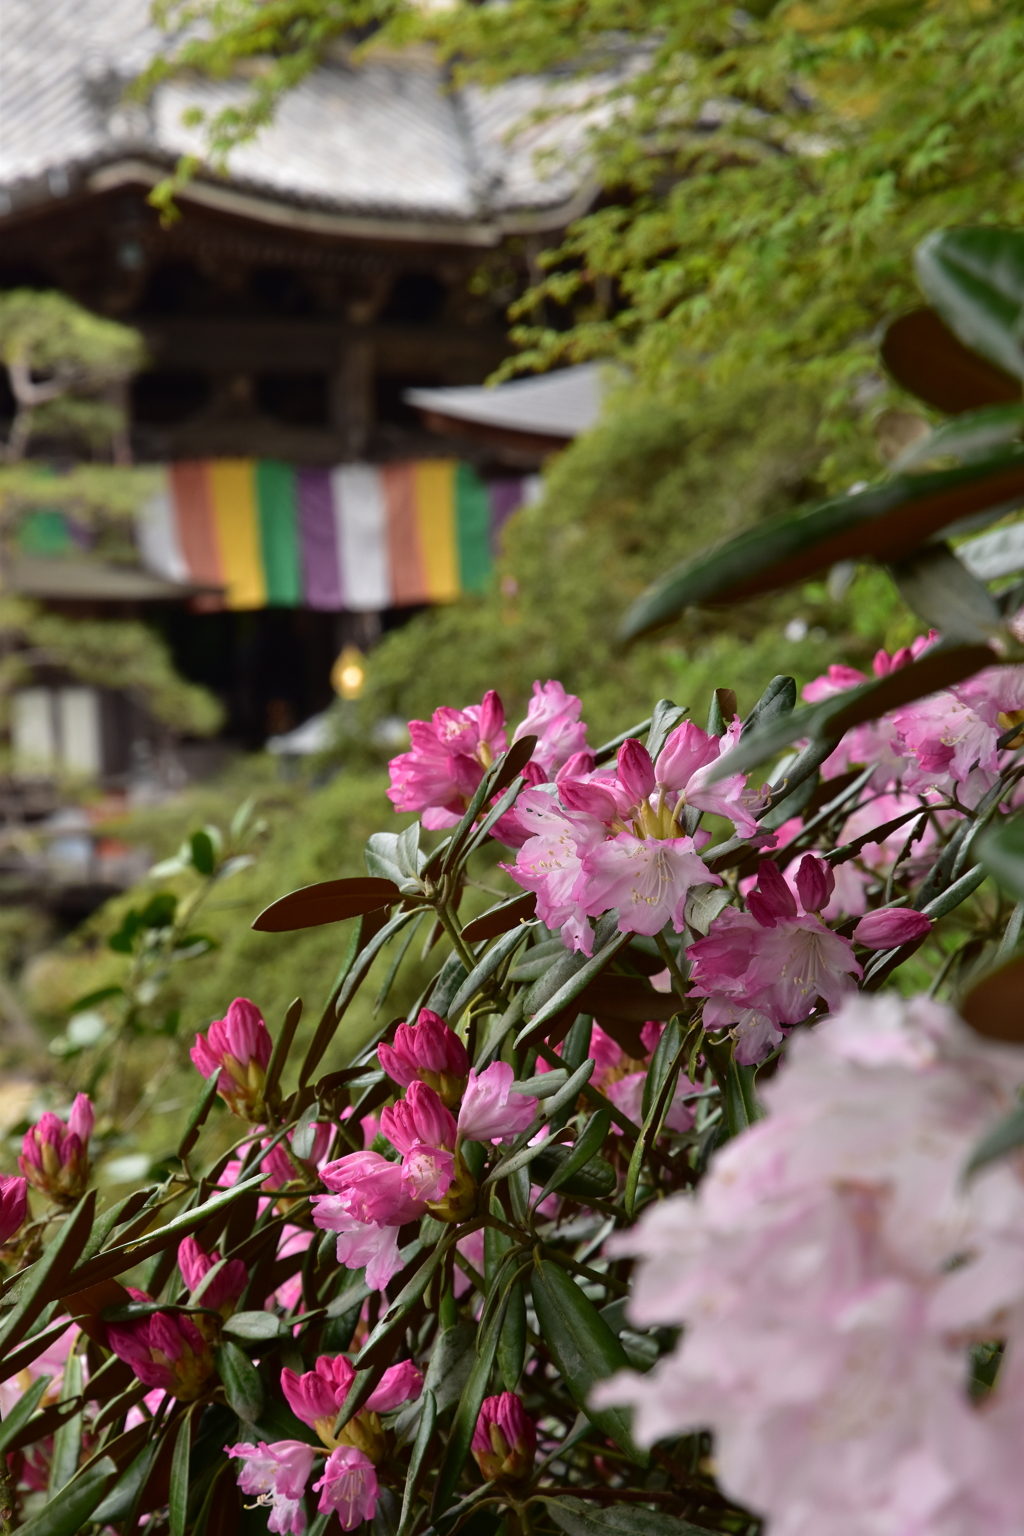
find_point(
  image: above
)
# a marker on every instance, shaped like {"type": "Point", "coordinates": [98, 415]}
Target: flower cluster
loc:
{"type": "Point", "coordinates": [371, 1194]}
{"type": "Point", "coordinates": [239, 1048]}
{"type": "Point", "coordinates": [452, 751]}
{"type": "Point", "coordinates": [830, 1274]}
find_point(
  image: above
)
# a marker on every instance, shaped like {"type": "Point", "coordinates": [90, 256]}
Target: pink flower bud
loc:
{"type": "Point", "coordinates": [430, 1052]}
{"type": "Point", "coordinates": [891, 927]}
{"type": "Point", "coordinates": [492, 722]}
{"type": "Point", "coordinates": [491, 1109]}
{"type": "Point", "coordinates": [588, 799]}
{"type": "Point", "coordinates": [55, 1157]}
{"type": "Point", "coordinates": [349, 1487]}
{"type": "Point", "coordinates": [241, 1047]}
{"type": "Point", "coordinates": [773, 900]}
{"type": "Point", "coordinates": [317, 1396]}
{"type": "Point", "coordinates": [400, 1383]}
{"type": "Point", "coordinates": [227, 1285]}
{"type": "Point", "coordinates": [505, 1439]}
{"type": "Point", "coordinates": [815, 883]}
{"type": "Point", "coordinates": [635, 771]}
{"type": "Point", "coordinates": [165, 1350]}
{"type": "Point", "coordinates": [686, 749]}
{"type": "Point", "coordinates": [13, 1205]}
{"type": "Point", "coordinates": [576, 766]}
{"type": "Point", "coordinates": [420, 1119]}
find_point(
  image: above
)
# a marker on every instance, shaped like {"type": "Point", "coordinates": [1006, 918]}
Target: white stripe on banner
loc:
{"type": "Point", "coordinates": [361, 519]}
{"type": "Point", "coordinates": [157, 533]}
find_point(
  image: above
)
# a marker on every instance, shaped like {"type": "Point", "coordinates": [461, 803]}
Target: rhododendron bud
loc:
{"type": "Point", "coordinates": [222, 1290]}
{"type": "Point", "coordinates": [491, 1109]}
{"type": "Point", "coordinates": [13, 1205]}
{"type": "Point", "coordinates": [419, 1119]}
{"type": "Point", "coordinates": [349, 1487]}
{"type": "Point", "coordinates": [316, 1396]}
{"type": "Point", "coordinates": [891, 927]}
{"type": "Point", "coordinates": [241, 1047]}
{"type": "Point", "coordinates": [428, 1051]}
{"type": "Point", "coordinates": [505, 1439]}
{"type": "Point", "coordinates": [165, 1350]}
{"type": "Point", "coordinates": [635, 771]}
{"type": "Point", "coordinates": [773, 900]}
{"type": "Point", "coordinates": [815, 883]}
{"type": "Point", "coordinates": [588, 799]}
{"type": "Point", "coordinates": [55, 1156]}
{"type": "Point", "coordinates": [491, 723]}
{"type": "Point", "coordinates": [686, 749]}
{"type": "Point", "coordinates": [277, 1474]}
{"type": "Point", "coordinates": [576, 766]}
{"type": "Point", "coordinates": [401, 1383]}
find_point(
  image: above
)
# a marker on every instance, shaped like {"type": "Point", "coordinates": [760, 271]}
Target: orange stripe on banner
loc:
{"type": "Point", "coordinates": [435, 513]}
{"type": "Point", "coordinates": [193, 508]}
{"type": "Point", "coordinates": [233, 493]}
{"type": "Point", "coordinates": [408, 576]}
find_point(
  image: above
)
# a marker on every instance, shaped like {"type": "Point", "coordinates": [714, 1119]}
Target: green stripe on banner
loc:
{"type": "Point", "coordinates": [279, 541]}
{"type": "Point", "coordinates": [473, 525]}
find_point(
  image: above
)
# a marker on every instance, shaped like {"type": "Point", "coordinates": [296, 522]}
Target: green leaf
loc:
{"type": "Point", "coordinates": [422, 1447]}
{"type": "Point", "coordinates": [1004, 1137]}
{"type": "Point", "coordinates": [587, 1147]}
{"type": "Point", "coordinates": [47, 1278]}
{"type": "Point", "coordinates": [197, 1119]}
{"type": "Point", "coordinates": [887, 522]}
{"type": "Point", "coordinates": [512, 1338]}
{"type": "Point", "coordinates": [203, 857]}
{"type": "Point", "coordinates": [777, 701]}
{"type": "Point", "coordinates": [740, 1107]}
{"type": "Point", "coordinates": [242, 1386]}
{"type": "Point", "coordinates": [329, 901]}
{"type": "Point", "coordinates": [940, 667]}
{"type": "Point", "coordinates": [665, 716]}
{"type": "Point", "coordinates": [975, 279]}
{"type": "Point", "coordinates": [393, 1321]}
{"type": "Point", "coordinates": [570, 989]}
{"type": "Point", "coordinates": [178, 1496]}
{"type": "Point", "coordinates": [1001, 850]}
{"type": "Point", "coordinates": [253, 1327]}
{"type": "Point", "coordinates": [584, 1349]}
{"type": "Point", "coordinates": [484, 968]}
{"type": "Point", "coordinates": [941, 590]}
{"type": "Point", "coordinates": [595, 1180]}
{"type": "Point", "coordinates": [578, 1517]}
{"type": "Point", "coordinates": [23, 1409]}
{"type": "Point", "coordinates": [501, 918]}
{"type": "Point", "coordinates": [468, 1411]}
{"type": "Point", "coordinates": [67, 1441]}
{"type": "Point", "coordinates": [66, 1514]}
{"type": "Point", "coordinates": [447, 984]}
{"type": "Point", "coordinates": [926, 358]}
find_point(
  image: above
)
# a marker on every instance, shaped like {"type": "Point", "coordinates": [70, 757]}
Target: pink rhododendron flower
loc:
{"type": "Point", "coordinates": [492, 1110]}
{"type": "Point", "coordinates": [428, 1051]}
{"type": "Point", "coordinates": [369, 1201]}
{"type": "Point", "coordinates": [165, 1350]}
{"type": "Point", "coordinates": [222, 1291]}
{"type": "Point", "coordinates": [891, 927]}
{"type": "Point", "coordinates": [425, 1133]}
{"type": "Point", "coordinates": [55, 1156]}
{"type": "Point", "coordinates": [504, 1441]}
{"type": "Point", "coordinates": [553, 716]}
{"type": "Point", "coordinates": [648, 879]}
{"type": "Point", "coordinates": [683, 769]}
{"type": "Point", "coordinates": [828, 1276]}
{"type": "Point", "coordinates": [13, 1205]}
{"type": "Point", "coordinates": [550, 862]}
{"type": "Point", "coordinates": [449, 756]}
{"type": "Point", "coordinates": [277, 1474]}
{"type": "Point", "coordinates": [239, 1045]}
{"type": "Point", "coordinates": [349, 1485]}
{"type": "Point", "coordinates": [768, 967]}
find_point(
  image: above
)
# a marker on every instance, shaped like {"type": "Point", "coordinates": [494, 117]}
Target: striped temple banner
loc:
{"type": "Point", "coordinates": [355, 537]}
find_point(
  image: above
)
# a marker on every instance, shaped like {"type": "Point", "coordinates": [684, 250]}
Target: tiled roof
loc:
{"type": "Point", "coordinates": [384, 139]}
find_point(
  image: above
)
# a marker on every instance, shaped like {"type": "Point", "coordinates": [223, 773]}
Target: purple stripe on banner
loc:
{"type": "Point", "coordinates": [320, 568]}
{"type": "Point", "coordinates": [507, 496]}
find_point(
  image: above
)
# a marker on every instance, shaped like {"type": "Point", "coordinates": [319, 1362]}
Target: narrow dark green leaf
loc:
{"type": "Point", "coordinates": [282, 1046]}
{"type": "Point", "coordinates": [665, 1053]}
{"type": "Point", "coordinates": [1001, 850]}
{"type": "Point", "coordinates": [197, 1119]}
{"type": "Point", "coordinates": [975, 279]}
{"type": "Point", "coordinates": [570, 990]}
{"type": "Point", "coordinates": [467, 1413]}
{"type": "Point", "coordinates": [70, 1511]}
{"type": "Point", "coordinates": [665, 716]}
{"type": "Point", "coordinates": [956, 894]}
{"type": "Point", "coordinates": [596, 1179]}
{"type": "Point", "coordinates": [968, 436]}
{"type": "Point", "coordinates": [329, 901]}
{"type": "Point", "coordinates": [242, 1385]}
{"type": "Point", "coordinates": [778, 700]}
{"type": "Point", "coordinates": [501, 918]}
{"type": "Point", "coordinates": [253, 1327]}
{"type": "Point", "coordinates": [941, 590]}
{"type": "Point", "coordinates": [886, 522]}
{"type": "Point", "coordinates": [584, 1349]}
{"type": "Point", "coordinates": [421, 1449]}
{"type": "Point", "coordinates": [578, 1517]}
{"type": "Point", "coordinates": [23, 1409]}
{"type": "Point", "coordinates": [447, 984]}
{"type": "Point", "coordinates": [484, 968]}
{"type": "Point", "coordinates": [589, 1145]}
{"type": "Point", "coordinates": [178, 1499]}
{"type": "Point", "coordinates": [47, 1276]}
{"type": "Point", "coordinates": [740, 1107]}
{"type": "Point", "coordinates": [393, 1320]}
{"type": "Point", "coordinates": [67, 1442]}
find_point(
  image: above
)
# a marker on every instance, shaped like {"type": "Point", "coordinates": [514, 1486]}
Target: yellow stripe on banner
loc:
{"type": "Point", "coordinates": [236, 519]}
{"type": "Point", "coordinates": [435, 518]}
